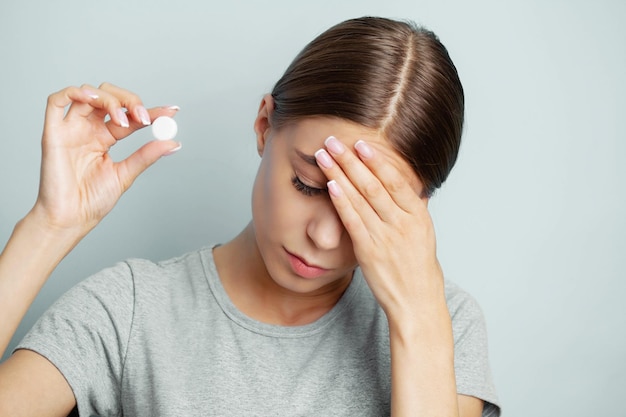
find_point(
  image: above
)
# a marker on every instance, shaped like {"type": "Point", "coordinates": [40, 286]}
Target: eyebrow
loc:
{"type": "Point", "coordinates": [309, 159]}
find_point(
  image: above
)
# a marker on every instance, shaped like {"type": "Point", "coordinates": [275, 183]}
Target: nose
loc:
{"type": "Point", "coordinates": [325, 228]}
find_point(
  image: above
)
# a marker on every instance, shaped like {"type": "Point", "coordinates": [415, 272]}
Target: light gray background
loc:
{"type": "Point", "coordinates": [531, 221]}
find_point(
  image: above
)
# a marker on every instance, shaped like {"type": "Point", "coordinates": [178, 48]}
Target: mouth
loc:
{"type": "Point", "coordinates": [304, 269]}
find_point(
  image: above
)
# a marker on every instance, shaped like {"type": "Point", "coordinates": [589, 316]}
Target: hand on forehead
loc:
{"type": "Point", "coordinates": [349, 133]}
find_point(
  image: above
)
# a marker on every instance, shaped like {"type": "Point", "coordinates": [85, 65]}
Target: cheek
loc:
{"type": "Point", "coordinates": [274, 205]}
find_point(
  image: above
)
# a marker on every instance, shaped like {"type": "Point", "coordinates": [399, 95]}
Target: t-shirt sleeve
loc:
{"type": "Point", "coordinates": [85, 335]}
{"type": "Point", "coordinates": [471, 358]}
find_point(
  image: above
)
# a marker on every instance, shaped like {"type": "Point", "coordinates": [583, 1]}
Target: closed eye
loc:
{"type": "Point", "coordinates": [306, 189]}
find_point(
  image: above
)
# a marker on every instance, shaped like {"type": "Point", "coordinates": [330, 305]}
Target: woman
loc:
{"type": "Point", "coordinates": [330, 302]}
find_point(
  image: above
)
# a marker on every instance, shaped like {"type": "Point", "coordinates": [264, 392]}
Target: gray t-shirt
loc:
{"type": "Point", "coordinates": [164, 339]}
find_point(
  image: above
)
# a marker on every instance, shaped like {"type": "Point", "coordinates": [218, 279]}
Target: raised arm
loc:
{"type": "Point", "coordinates": [79, 185]}
{"type": "Point", "coordinates": [387, 219]}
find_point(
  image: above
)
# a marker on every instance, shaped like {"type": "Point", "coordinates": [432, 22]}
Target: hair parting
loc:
{"type": "Point", "coordinates": [393, 76]}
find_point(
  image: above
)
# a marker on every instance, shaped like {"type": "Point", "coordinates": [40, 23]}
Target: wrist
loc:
{"type": "Point", "coordinates": [426, 320]}
{"type": "Point", "coordinates": [47, 240]}
{"type": "Point", "coordinates": [423, 306]}
{"type": "Point", "coordinates": [39, 221]}
{"type": "Point", "coordinates": [422, 362]}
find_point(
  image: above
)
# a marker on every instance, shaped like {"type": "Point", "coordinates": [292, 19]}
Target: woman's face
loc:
{"type": "Point", "coordinates": [299, 235]}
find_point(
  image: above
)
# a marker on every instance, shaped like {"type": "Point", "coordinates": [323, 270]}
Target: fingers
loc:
{"type": "Point", "coordinates": [351, 218]}
{"type": "Point", "coordinates": [120, 132]}
{"type": "Point", "coordinates": [57, 102]}
{"type": "Point", "coordinates": [404, 192]}
{"type": "Point", "coordinates": [130, 168]}
{"type": "Point", "coordinates": [125, 109]}
{"type": "Point", "coordinates": [368, 179]}
{"type": "Point", "coordinates": [130, 101]}
{"type": "Point", "coordinates": [111, 100]}
{"type": "Point", "coordinates": [103, 103]}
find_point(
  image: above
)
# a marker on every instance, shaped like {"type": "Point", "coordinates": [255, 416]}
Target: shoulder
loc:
{"type": "Point", "coordinates": [168, 279]}
{"type": "Point", "coordinates": [113, 294]}
{"type": "Point", "coordinates": [468, 321]}
{"type": "Point", "coordinates": [471, 353]}
{"type": "Point", "coordinates": [462, 306]}
{"type": "Point", "coordinates": [124, 276]}
{"type": "Point", "coordinates": [94, 327]}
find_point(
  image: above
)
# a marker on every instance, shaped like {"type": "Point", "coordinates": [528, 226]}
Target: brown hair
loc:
{"type": "Point", "coordinates": [385, 74]}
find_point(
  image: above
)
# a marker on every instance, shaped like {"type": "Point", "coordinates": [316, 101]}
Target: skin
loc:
{"type": "Point", "coordinates": [374, 217]}
{"type": "Point", "coordinates": [79, 185]}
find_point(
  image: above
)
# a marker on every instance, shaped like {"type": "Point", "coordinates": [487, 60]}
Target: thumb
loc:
{"type": "Point", "coordinates": [131, 167]}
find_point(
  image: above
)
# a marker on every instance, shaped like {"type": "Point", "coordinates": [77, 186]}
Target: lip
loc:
{"type": "Point", "coordinates": [304, 269]}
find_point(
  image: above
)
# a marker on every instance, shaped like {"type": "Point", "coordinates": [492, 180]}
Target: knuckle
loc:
{"type": "Point", "coordinates": [122, 95]}
{"type": "Point", "coordinates": [395, 184]}
{"type": "Point", "coordinates": [51, 98]}
{"type": "Point", "coordinates": [57, 95]}
{"type": "Point", "coordinates": [360, 203]}
{"type": "Point", "coordinates": [371, 189]}
{"type": "Point", "coordinates": [132, 99]}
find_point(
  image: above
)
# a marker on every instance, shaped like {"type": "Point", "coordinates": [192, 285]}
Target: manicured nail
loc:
{"type": "Point", "coordinates": [143, 115]}
{"type": "Point", "coordinates": [91, 94]}
{"type": "Point", "coordinates": [333, 145]}
{"type": "Point", "coordinates": [123, 120]}
{"type": "Point", "coordinates": [324, 159]}
{"type": "Point", "coordinates": [176, 149]}
{"type": "Point", "coordinates": [364, 149]}
{"type": "Point", "coordinates": [334, 189]}
{"type": "Point", "coordinates": [172, 107]}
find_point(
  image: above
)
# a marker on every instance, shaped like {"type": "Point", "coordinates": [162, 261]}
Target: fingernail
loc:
{"type": "Point", "coordinates": [91, 94]}
{"type": "Point", "coordinates": [172, 107]}
{"type": "Point", "coordinates": [334, 189]}
{"type": "Point", "coordinates": [123, 120]}
{"type": "Point", "coordinates": [143, 115]}
{"type": "Point", "coordinates": [176, 149]}
{"type": "Point", "coordinates": [334, 145]}
{"type": "Point", "coordinates": [364, 149]}
{"type": "Point", "coordinates": [323, 158]}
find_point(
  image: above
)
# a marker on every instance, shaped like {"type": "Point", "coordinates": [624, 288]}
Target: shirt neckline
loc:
{"type": "Point", "coordinates": [273, 330]}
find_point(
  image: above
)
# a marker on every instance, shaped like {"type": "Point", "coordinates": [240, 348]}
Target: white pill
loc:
{"type": "Point", "coordinates": [164, 128]}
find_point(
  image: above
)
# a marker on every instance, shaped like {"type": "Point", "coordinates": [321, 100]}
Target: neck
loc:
{"type": "Point", "coordinates": [252, 290]}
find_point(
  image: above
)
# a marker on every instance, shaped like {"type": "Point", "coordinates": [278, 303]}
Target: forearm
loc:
{"type": "Point", "coordinates": [422, 363]}
{"type": "Point", "coordinates": [79, 185]}
{"type": "Point", "coordinates": [29, 257]}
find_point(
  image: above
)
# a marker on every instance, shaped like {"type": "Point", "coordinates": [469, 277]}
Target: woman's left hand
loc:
{"type": "Point", "coordinates": [381, 204]}
{"type": "Point", "coordinates": [388, 221]}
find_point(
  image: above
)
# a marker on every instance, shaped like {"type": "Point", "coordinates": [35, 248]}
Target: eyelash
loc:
{"type": "Point", "coordinates": [305, 189]}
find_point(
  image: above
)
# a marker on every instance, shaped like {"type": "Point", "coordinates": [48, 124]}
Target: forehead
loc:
{"type": "Point", "coordinates": [308, 135]}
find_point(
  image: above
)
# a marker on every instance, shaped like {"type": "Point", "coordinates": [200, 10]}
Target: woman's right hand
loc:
{"type": "Point", "coordinates": [80, 183]}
